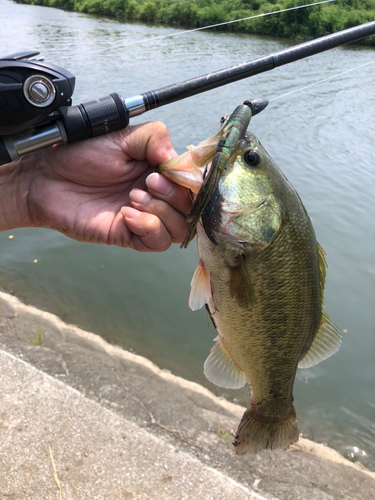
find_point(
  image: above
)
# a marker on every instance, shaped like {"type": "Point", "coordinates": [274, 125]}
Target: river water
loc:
{"type": "Point", "coordinates": [323, 138]}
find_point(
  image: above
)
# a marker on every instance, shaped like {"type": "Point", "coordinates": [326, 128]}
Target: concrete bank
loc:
{"type": "Point", "coordinates": [121, 428]}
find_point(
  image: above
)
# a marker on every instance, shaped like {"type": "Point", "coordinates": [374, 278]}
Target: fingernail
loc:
{"type": "Point", "coordinates": [139, 196]}
{"type": "Point", "coordinates": [172, 153]}
{"type": "Point", "coordinates": [129, 212]}
{"type": "Point", "coordinates": [159, 184]}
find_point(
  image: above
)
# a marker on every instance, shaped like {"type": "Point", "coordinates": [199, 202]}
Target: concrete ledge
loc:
{"type": "Point", "coordinates": [131, 430]}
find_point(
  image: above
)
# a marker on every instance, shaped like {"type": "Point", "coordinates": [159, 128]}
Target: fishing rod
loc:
{"type": "Point", "coordinates": [36, 107]}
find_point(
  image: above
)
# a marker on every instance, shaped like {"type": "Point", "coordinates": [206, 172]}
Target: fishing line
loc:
{"type": "Point", "coordinates": [148, 40]}
{"type": "Point", "coordinates": [230, 22]}
{"type": "Point", "coordinates": [321, 81]}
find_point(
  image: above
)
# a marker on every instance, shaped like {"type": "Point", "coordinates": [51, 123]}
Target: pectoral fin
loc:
{"type": "Point", "coordinates": [221, 370]}
{"type": "Point", "coordinates": [200, 293]}
{"type": "Point", "coordinates": [326, 342]}
{"type": "Point", "coordinates": [240, 286]}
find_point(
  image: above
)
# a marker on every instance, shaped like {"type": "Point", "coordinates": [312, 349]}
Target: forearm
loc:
{"type": "Point", "coordinates": [14, 189]}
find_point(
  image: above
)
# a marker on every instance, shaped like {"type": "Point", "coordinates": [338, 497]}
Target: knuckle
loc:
{"type": "Point", "coordinates": [164, 245]}
{"type": "Point", "coordinates": [153, 224]}
{"type": "Point", "coordinates": [160, 128]}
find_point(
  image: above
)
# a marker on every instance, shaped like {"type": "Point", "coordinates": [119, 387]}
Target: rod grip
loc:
{"type": "Point", "coordinates": [94, 118]}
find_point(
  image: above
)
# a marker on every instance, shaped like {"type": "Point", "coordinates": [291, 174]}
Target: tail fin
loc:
{"type": "Point", "coordinates": [255, 434]}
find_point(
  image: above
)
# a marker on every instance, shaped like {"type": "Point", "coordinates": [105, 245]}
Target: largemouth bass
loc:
{"type": "Point", "coordinates": [261, 276]}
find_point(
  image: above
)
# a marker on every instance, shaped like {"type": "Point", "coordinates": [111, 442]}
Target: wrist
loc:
{"type": "Point", "coordinates": [15, 180]}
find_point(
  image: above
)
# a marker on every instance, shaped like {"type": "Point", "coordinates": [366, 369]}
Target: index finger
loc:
{"type": "Point", "coordinates": [148, 141]}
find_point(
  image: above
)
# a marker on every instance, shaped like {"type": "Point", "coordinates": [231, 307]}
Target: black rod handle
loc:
{"type": "Point", "coordinates": [94, 118]}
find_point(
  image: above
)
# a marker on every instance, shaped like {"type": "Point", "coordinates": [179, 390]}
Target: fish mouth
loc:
{"type": "Point", "coordinates": [232, 209]}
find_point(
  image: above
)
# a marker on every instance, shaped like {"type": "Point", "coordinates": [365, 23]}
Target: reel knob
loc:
{"type": "Point", "coordinates": [39, 91]}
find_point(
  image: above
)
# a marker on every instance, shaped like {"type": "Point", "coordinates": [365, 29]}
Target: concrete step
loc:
{"type": "Point", "coordinates": [119, 427]}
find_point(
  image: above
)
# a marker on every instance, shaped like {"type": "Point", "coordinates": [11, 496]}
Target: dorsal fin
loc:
{"type": "Point", "coordinates": [326, 342]}
{"type": "Point", "coordinates": [322, 263]}
{"type": "Point", "coordinates": [221, 370]}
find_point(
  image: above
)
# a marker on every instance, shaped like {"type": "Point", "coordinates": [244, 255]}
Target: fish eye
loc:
{"type": "Point", "coordinates": [252, 158]}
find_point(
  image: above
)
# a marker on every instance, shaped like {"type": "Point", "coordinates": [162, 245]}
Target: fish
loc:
{"type": "Point", "coordinates": [261, 277]}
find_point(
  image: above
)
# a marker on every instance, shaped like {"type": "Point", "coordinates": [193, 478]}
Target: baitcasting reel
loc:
{"type": "Point", "coordinates": [36, 110]}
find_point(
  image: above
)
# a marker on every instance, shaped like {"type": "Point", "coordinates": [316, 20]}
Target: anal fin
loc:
{"type": "Point", "coordinates": [326, 342]}
{"type": "Point", "coordinates": [221, 370]}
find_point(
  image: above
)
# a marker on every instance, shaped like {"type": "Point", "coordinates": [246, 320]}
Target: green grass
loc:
{"type": "Point", "coordinates": [38, 339]}
{"type": "Point", "coordinates": [222, 434]}
{"type": "Point", "coordinates": [304, 23]}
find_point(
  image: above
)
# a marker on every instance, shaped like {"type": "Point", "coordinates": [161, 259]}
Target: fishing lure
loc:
{"type": "Point", "coordinates": [231, 132]}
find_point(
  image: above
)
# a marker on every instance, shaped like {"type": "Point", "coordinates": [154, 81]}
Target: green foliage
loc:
{"type": "Point", "coordinates": [148, 11]}
{"type": "Point", "coordinates": [114, 8]}
{"type": "Point", "coordinates": [306, 23]}
{"type": "Point", "coordinates": [183, 13]}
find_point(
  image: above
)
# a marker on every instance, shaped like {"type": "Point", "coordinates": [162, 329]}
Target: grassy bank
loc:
{"type": "Point", "coordinates": [305, 23]}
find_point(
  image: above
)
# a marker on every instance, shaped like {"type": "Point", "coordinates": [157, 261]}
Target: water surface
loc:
{"type": "Point", "coordinates": [323, 138]}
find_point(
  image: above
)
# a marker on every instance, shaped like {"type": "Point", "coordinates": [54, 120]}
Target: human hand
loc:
{"type": "Point", "coordinates": [101, 191]}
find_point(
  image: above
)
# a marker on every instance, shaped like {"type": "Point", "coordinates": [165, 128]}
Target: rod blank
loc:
{"type": "Point", "coordinates": [187, 88]}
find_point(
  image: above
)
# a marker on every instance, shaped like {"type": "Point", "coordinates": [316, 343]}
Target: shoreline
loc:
{"type": "Point", "coordinates": [298, 25]}
{"type": "Point", "coordinates": [166, 414]}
